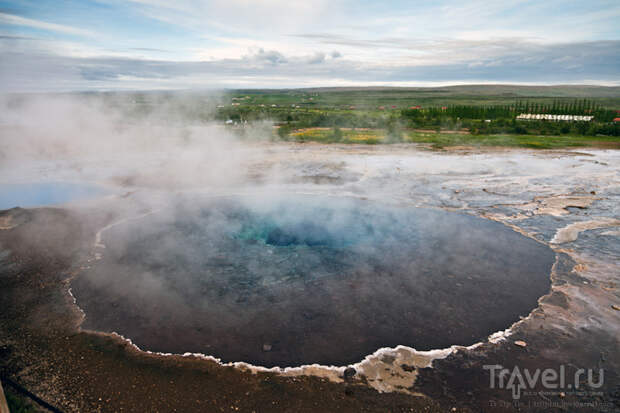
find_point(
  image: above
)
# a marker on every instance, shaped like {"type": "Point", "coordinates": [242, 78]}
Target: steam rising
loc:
{"type": "Point", "coordinates": [274, 280]}
{"type": "Point", "coordinates": [134, 139]}
{"type": "Point", "coordinates": [292, 280]}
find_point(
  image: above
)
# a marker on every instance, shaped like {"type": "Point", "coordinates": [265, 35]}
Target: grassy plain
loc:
{"type": "Point", "coordinates": [441, 140]}
{"type": "Point", "coordinates": [485, 95]}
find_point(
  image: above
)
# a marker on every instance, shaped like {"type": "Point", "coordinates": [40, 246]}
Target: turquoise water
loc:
{"type": "Point", "coordinates": [313, 279]}
{"type": "Point", "coordinates": [45, 193]}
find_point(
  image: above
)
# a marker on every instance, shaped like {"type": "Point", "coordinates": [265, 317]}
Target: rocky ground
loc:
{"type": "Point", "coordinates": [569, 200]}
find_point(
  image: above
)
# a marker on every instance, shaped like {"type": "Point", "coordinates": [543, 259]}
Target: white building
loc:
{"type": "Point", "coordinates": [555, 118]}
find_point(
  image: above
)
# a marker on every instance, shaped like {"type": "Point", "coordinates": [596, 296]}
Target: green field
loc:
{"type": "Point", "coordinates": [442, 140]}
{"type": "Point", "coordinates": [440, 117]}
{"type": "Point", "coordinates": [475, 115]}
{"type": "Point", "coordinates": [439, 140]}
{"type": "Point", "coordinates": [327, 135]}
{"type": "Point", "coordinates": [366, 98]}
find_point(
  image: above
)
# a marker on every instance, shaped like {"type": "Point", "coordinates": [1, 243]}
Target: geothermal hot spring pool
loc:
{"type": "Point", "coordinates": [299, 279]}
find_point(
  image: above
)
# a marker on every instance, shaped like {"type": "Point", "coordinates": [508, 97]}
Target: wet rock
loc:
{"type": "Point", "coordinates": [349, 372]}
{"type": "Point", "coordinates": [520, 343]}
{"type": "Point", "coordinates": [387, 359]}
{"type": "Point", "coordinates": [310, 315]}
{"type": "Point", "coordinates": [570, 232]}
{"type": "Point", "coordinates": [11, 218]}
{"type": "Point", "coordinates": [407, 367]}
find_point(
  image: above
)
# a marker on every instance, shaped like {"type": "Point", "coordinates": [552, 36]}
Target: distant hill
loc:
{"type": "Point", "coordinates": [373, 97]}
{"type": "Point", "coordinates": [573, 91]}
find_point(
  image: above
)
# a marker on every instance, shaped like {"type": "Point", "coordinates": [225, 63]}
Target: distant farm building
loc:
{"type": "Point", "coordinates": [415, 107]}
{"type": "Point", "coordinates": [616, 119]}
{"type": "Point", "coordinates": [544, 116]}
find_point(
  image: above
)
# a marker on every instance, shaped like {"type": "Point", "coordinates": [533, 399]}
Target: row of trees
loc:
{"type": "Point", "coordinates": [558, 107]}
{"type": "Point", "coordinates": [544, 128]}
{"type": "Point", "coordinates": [475, 118]}
{"type": "Point", "coordinates": [462, 112]}
{"type": "Point", "coordinates": [578, 107]}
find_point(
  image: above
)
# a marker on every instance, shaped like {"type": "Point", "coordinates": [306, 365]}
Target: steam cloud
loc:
{"type": "Point", "coordinates": [136, 139]}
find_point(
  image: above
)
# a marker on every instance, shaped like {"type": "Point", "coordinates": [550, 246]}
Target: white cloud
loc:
{"type": "Point", "coordinates": [37, 24]}
{"type": "Point", "coordinates": [259, 42]}
{"type": "Point", "coordinates": [262, 17]}
{"type": "Point", "coordinates": [521, 63]}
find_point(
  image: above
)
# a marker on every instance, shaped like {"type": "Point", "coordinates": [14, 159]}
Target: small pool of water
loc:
{"type": "Point", "coordinates": [45, 193]}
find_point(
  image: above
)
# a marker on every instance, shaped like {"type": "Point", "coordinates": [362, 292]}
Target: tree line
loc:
{"type": "Point", "coordinates": [477, 119]}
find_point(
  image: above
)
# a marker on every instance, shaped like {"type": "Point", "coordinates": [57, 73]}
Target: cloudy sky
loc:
{"type": "Point", "coordinates": [56, 45]}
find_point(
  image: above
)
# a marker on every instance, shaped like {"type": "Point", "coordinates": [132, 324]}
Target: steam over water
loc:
{"type": "Point", "coordinates": [298, 280]}
{"type": "Point", "coordinates": [49, 193]}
